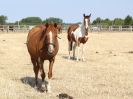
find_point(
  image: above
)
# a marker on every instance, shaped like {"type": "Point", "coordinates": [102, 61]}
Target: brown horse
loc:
{"type": "Point", "coordinates": [42, 44]}
{"type": "Point", "coordinates": [78, 34]}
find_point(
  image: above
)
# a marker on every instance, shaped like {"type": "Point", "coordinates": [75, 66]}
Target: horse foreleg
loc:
{"type": "Point", "coordinates": [36, 69]}
{"type": "Point", "coordinates": [77, 53]}
{"type": "Point", "coordinates": [41, 69]}
{"type": "Point", "coordinates": [82, 55]}
{"type": "Point", "coordinates": [74, 48]}
{"type": "Point", "coordinates": [51, 62]}
{"type": "Point", "coordinates": [43, 86]}
{"type": "Point", "coordinates": [78, 48]}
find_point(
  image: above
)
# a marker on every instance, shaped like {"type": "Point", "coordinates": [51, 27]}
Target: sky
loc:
{"type": "Point", "coordinates": [71, 11]}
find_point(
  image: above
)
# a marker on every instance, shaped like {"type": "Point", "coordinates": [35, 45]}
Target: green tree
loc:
{"type": "Point", "coordinates": [3, 19]}
{"type": "Point", "coordinates": [107, 22]}
{"type": "Point", "coordinates": [128, 20]}
{"type": "Point", "coordinates": [31, 21]}
{"type": "Point", "coordinates": [52, 20]}
{"type": "Point", "coordinates": [118, 21]}
{"type": "Point", "coordinates": [97, 21]}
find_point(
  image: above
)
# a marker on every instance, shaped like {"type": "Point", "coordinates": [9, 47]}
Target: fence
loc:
{"type": "Point", "coordinates": [93, 28]}
{"type": "Point", "coordinates": [102, 28]}
{"type": "Point", "coordinates": [15, 28]}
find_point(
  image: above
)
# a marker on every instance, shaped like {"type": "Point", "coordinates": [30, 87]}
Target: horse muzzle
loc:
{"type": "Point", "coordinates": [86, 31]}
{"type": "Point", "coordinates": [51, 49]}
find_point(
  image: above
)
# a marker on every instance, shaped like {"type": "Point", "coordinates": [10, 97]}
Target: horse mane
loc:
{"type": "Point", "coordinates": [41, 29]}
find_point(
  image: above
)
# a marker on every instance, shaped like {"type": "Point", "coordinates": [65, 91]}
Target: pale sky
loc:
{"type": "Point", "coordinates": [68, 10]}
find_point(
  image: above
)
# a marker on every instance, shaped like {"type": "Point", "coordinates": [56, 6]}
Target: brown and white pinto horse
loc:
{"type": "Point", "coordinates": [42, 44]}
{"type": "Point", "coordinates": [78, 34]}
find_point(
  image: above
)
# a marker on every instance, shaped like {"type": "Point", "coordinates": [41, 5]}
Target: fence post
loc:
{"type": "Point", "coordinates": [131, 28]}
{"type": "Point", "coordinates": [7, 28]}
{"type": "Point", "coordinates": [111, 28]}
{"type": "Point", "coordinates": [120, 28]}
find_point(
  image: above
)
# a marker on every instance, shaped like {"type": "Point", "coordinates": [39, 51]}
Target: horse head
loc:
{"type": "Point", "coordinates": [86, 22]}
{"type": "Point", "coordinates": [51, 38]}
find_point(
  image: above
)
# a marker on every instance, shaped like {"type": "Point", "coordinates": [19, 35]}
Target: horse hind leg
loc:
{"type": "Point", "coordinates": [74, 49]}
{"type": "Point", "coordinates": [70, 43]}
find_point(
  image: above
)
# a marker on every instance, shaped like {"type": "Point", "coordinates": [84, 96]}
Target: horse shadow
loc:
{"type": "Point", "coordinates": [31, 82]}
{"type": "Point", "coordinates": [73, 59]}
{"type": "Point", "coordinates": [65, 57]}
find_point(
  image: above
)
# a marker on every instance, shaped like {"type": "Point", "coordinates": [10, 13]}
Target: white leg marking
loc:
{"type": "Point", "coordinates": [83, 59]}
{"type": "Point", "coordinates": [49, 86]}
{"type": "Point", "coordinates": [78, 54]}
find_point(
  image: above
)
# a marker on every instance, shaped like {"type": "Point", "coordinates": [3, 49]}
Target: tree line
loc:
{"type": "Point", "coordinates": [37, 20]}
{"type": "Point", "coordinates": [128, 20]}
{"type": "Point", "coordinates": [30, 21]}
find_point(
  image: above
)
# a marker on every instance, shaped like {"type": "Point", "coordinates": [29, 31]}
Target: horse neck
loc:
{"type": "Point", "coordinates": [83, 28]}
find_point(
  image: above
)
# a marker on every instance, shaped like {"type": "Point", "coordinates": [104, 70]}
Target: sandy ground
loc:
{"type": "Point", "coordinates": [107, 72]}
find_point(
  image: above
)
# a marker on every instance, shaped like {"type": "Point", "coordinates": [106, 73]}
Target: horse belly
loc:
{"type": "Point", "coordinates": [32, 48]}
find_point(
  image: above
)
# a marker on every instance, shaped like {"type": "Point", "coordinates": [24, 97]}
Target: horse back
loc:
{"type": "Point", "coordinates": [71, 29]}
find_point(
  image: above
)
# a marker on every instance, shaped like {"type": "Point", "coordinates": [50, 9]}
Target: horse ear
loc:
{"type": "Point", "coordinates": [46, 25]}
{"type": "Point", "coordinates": [55, 25]}
{"type": "Point", "coordinates": [84, 15]}
{"type": "Point", "coordinates": [90, 15]}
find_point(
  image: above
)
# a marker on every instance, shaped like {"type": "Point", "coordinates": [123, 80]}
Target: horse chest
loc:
{"type": "Point", "coordinates": [43, 53]}
{"type": "Point", "coordinates": [82, 39]}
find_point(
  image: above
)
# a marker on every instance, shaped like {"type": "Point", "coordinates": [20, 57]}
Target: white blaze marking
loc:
{"type": "Point", "coordinates": [50, 35]}
{"type": "Point", "coordinates": [86, 22]}
{"type": "Point", "coordinates": [50, 49]}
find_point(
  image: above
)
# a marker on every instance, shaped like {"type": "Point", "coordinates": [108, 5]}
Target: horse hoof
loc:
{"type": "Point", "coordinates": [77, 60]}
{"type": "Point", "coordinates": [35, 87]}
{"type": "Point", "coordinates": [41, 89]}
{"type": "Point", "coordinates": [48, 91]}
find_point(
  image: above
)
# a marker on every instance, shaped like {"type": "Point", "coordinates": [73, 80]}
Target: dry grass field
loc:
{"type": "Point", "coordinates": [107, 72]}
